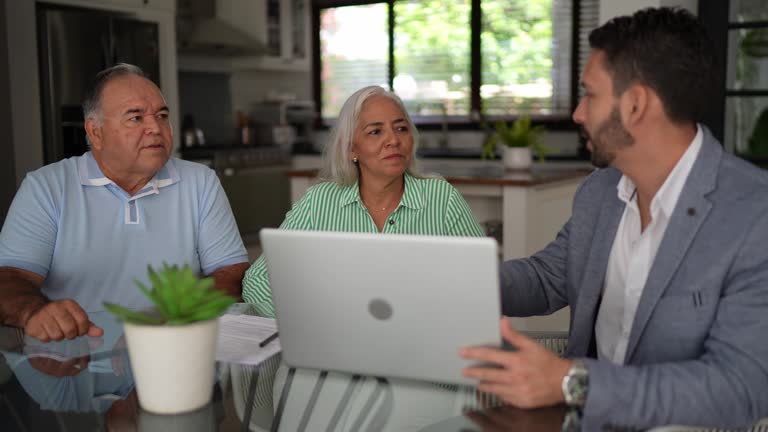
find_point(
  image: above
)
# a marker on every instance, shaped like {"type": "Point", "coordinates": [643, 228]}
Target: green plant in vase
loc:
{"type": "Point", "coordinates": [519, 139]}
{"type": "Point", "coordinates": [179, 296]}
{"type": "Point", "coordinates": [520, 133]}
{"type": "Point", "coordinates": [172, 348]}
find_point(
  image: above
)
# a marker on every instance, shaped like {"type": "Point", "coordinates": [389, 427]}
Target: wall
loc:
{"type": "Point", "coordinates": [253, 86]}
{"type": "Point", "coordinates": [612, 8]}
{"type": "Point", "coordinates": [206, 97]}
{"type": "Point", "coordinates": [7, 162]}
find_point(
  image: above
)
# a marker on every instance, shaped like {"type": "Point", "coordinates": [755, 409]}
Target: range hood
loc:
{"type": "Point", "coordinates": [201, 32]}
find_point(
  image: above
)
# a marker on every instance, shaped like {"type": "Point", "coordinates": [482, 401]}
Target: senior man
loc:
{"type": "Point", "coordinates": [81, 230]}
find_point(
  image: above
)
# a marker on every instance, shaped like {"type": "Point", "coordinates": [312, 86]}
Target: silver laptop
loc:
{"type": "Point", "coordinates": [383, 305]}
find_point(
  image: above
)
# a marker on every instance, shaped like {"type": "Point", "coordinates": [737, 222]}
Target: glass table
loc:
{"type": "Point", "coordinates": [95, 392]}
{"type": "Point", "coordinates": [89, 387]}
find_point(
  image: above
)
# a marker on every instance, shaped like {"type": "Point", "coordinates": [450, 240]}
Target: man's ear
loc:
{"type": "Point", "coordinates": [93, 130]}
{"type": "Point", "coordinates": [635, 104]}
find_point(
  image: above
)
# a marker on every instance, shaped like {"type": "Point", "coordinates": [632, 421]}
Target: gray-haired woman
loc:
{"type": "Point", "coordinates": [372, 185]}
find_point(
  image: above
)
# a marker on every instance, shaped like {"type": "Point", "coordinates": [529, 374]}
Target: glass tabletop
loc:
{"type": "Point", "coordinates": [43, 391]}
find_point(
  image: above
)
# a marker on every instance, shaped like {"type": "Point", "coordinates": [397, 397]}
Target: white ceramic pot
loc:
{"type": "Point", "coordinates": [173, 366]}
{"type": "Point", "coordinates": [518, 158]}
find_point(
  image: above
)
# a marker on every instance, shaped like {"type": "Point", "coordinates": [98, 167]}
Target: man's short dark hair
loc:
{"type": "Point", "coordinates": [666, 49]}
{"type": "Point", "coordinates": [92, 101]}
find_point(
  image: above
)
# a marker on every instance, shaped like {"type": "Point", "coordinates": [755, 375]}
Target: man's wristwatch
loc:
{"type": "Point", "coordinates": [576, 384]}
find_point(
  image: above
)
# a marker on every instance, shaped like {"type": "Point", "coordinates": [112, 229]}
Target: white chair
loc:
{"type": "Point", "coordinates": [252, 393]}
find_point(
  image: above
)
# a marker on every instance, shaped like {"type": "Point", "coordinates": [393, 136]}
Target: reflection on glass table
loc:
{"type": "Point", "coordinates": [80, 385]}
{"type": "Point", "coordinates": [86, 386]}
{"type": "Point", "coordinates": [95, 392]}
{"type": "Point", "coordinates": [312, 400]}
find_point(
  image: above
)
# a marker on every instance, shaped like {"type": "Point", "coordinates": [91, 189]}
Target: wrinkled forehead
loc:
{"type": "Point", "coordinates": [131, 93]}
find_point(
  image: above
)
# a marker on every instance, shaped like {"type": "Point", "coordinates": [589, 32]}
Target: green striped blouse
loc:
{"type": "Point", "coordinates": [429, 206]}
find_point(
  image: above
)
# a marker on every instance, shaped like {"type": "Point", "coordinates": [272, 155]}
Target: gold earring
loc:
{"type": "Point", "coordinates": [354, 160]}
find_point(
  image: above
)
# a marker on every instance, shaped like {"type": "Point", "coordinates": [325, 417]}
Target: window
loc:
{"type": "Point", "coordinates": [523, 61]}
{"type": "Point", "coordinates": [739, 29]}
{"type": "Point", "coordinates": [351, 61]}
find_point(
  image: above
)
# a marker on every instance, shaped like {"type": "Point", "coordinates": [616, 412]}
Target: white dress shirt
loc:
{"type": "Point", "coordinates": [632, 256]}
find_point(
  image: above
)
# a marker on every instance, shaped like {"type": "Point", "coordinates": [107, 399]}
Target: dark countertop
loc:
{"type": "Point", "coordinates": [492, 176]}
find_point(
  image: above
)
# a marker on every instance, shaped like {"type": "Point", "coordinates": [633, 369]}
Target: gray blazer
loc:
{"type": "Point", "coordinates": [698, 349]}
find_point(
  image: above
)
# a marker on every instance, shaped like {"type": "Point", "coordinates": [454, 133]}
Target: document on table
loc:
{"type": "Point", "coordinates": [239, 337]}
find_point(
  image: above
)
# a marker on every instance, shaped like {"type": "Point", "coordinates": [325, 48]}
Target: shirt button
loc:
{"type": "Point", "coordinates": [391, 221]}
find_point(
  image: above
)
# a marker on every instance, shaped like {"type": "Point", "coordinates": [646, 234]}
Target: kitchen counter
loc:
{"type": "Point", "coordinates": [491, 176]}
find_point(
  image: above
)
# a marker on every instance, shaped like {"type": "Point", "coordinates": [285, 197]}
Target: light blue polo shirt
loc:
{"type": "Point", "coordinates": [90, 239]}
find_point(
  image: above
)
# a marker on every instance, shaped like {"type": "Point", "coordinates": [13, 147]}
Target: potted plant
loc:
{"type": "Point", "coordinates": [518, 140]}
{"type": "Point", "coordinates": [172, 348]}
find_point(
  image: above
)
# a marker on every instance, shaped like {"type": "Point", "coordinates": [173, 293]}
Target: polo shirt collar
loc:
{"type": "Point", "coordinates": [412, 195]}
{"type": "Point", "coordinates": [91, 175]}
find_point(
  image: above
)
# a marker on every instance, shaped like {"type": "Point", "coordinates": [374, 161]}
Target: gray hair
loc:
{"type": "Point", "coordinates": [92, 101]}
{"type": "Point", "coordinates": [338, 166]}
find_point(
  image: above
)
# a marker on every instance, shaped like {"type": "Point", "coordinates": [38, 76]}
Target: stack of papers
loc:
{"type": "Point", "coordinates": [239, 338]}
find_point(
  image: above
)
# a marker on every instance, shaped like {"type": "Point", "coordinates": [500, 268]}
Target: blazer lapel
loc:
{"type": "Point", "coordinates": [591, 286]}
{"type": "Point", "coordinates": [690, 212]}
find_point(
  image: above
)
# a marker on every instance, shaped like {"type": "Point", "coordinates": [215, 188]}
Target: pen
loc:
{"type": "Point", "coordinates": [269, 339]}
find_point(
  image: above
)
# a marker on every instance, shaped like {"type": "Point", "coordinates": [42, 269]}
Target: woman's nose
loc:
{"type": "Point", "coordinates": [391, 138]}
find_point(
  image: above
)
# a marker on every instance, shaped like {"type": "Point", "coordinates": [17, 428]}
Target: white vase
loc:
{"type": "Point", "coordinates": [518, 158]}
{"type": "Point", "coordinates": [173, 366]}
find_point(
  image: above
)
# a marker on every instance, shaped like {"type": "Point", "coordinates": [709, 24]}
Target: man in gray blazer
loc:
{"type": "Point", "coordinates": [664, 260]}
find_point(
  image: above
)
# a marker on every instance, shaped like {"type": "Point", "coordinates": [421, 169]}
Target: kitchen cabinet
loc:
{"type": "Point", "coordinates": [133, 5]}
{"type": "Point", "coordinates": [150, 4]}
{"type": "Point", "coordinates": [281, 25]}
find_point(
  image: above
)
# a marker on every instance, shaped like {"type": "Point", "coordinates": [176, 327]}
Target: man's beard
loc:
{"type": "Point", "coordinates": [610, 135]}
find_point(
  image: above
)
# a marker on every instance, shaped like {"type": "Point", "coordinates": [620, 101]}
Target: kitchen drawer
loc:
{"type": "Point", "coordinates": [259, 197]}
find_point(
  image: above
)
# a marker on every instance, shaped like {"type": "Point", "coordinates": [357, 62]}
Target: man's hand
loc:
{"type": "Point", "coordinates": [61, 319]}
{"type": "Point", "coordinates": [529, 377]}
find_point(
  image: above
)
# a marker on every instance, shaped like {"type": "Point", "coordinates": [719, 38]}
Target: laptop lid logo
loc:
{"type": "Point", "coordinates": [380, 309]}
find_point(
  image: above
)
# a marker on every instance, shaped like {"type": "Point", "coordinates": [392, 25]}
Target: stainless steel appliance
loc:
{"type": "Point", "coordinates": [73, 46]}
{"type": "Point", "coordinates": [270, 120]}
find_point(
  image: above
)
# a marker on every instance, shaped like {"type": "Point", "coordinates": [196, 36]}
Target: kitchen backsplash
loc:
{"type": "Point", "coordinates": [206, 97]}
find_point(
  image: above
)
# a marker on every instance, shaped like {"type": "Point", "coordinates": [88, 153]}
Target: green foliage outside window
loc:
{"type": "Point", "coordinates": [432, 56]}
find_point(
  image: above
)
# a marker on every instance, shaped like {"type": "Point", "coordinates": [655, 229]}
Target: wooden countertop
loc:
{"type": "Point", "coordinates": [491, 176]}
